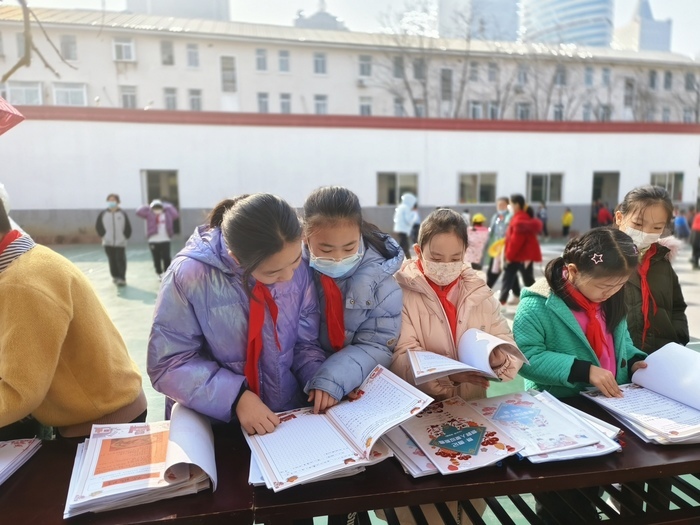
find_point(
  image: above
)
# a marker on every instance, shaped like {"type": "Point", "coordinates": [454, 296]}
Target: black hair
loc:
{"type": "Point", "coordinates": [619, 258]}
{"type": "Point", "coordinates": [504, 199]}
{"type": "Point", "coordinates": [440, 221]}
{"type": "Point", "coordinates": [638, 199]}
{"type": "Point", "coordinates": [255, 227]}
{"type": "Point", "coordinates": [330, 205]}
{"type": "Point", "coordinates": [5, 226]}
{"type": "Point", "coordinates": [115, 197]}
{"type": "Point", "coordinates": [518, 199]}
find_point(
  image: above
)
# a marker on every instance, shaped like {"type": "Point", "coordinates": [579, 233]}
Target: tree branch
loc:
{"type": "Point", "coordinates": [48, 39]}
{"type": "Point", "coordinates": [26, 58]}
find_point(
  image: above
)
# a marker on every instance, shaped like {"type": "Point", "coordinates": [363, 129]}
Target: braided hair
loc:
{"type": "Point", "coordinates": [616, 256]}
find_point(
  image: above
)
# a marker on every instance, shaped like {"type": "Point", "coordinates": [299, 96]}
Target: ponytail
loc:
{"type": "Point", "coordinates": [216, 215]}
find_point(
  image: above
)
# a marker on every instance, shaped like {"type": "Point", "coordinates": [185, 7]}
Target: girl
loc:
{"type": "Point", "coordinates": [655, 304]}
{"type": "Point", "coordinates": [159, 218]}
{"type": "Point", "coordinates": [442, 298]}
{"type": "Point", "coordinates": [235, 331]}
{"type": "Point", "coordinates": [571, 325]}
{"type": "Point", "coordinates": [115, 229]}
{"type": "Point", "coordinates": [360, 301]}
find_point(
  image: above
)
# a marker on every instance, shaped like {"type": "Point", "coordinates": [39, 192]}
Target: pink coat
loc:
{"type": "Point", "coordinates": [425, 326]}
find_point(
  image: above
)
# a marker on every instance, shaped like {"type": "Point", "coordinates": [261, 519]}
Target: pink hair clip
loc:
{"type": "Point", "coordinates": [597, 258]}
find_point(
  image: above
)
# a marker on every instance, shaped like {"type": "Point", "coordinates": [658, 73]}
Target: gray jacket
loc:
{"type": "Point", "coordinates": [114, 227]}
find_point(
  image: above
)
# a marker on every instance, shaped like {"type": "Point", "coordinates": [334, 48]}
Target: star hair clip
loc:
{"type": "Point", "coordinates": [634, 248]}
{"type": "Point", "coordinates": [597, 258]}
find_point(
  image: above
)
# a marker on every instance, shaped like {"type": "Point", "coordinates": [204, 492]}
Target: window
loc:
{"type": "Point", "coordinates": [544, 187]}
{"type": "Point", "coordinates": [493, 72]}
{"type": "Point", "coordinates": [366, 106]}
{"type": "Point", "coordinates": [420, 108]}
{"type": "Point", "coordinates": [560, 75]}
{"type": "Point", "coordinates": [167, 53]}
{"type": "Point", "coordinates": [170, 98]}
{"type": "Point", "coordinates": [390, 186]}
{"type": "Point", "coordinates": [320, 63]}
{"type": "Point", "coordinates": [666, 115]}
{"type": "Point", "coordinates": [477, 187]}
{"type": "Point", "coordinates": [587, 112]}
{"type": "Point", "coordinates": [494, 110]}
{"type": "Point", "coordinates": [588, 76]}
{"type": "Point", "coordinates": [124, 50]}
{"type": "Point", "coordinates": [285, 103]}
{"type": "Point", "coordinates": [365, 65]}
{"type": "Point", "coordinates": [522, 111]}
{"type": "Point", "coordinates": [283, 59]}
{"type": "Point", "coordinates": [522, 75]}
{"type": "Point", "coordinates": [321, 104]}
{"type": "Point", "coordinates": [263, 103]}
{"type": "Point", "coordinates": [195, 99]}
{"type": "Point", "coordinates": [65, 94]}
{"type": "Point", "coordinates": [20, 45]}
{"type": "Point", "coordinates": [399, 110]}
{"type": "Point", "coordinates": [605, 112]}
{"type": "Point", "coordinates": [192, 55]}
{"type": "Point", "coordinates": [668, 80]}
{"type": "Point", "coordinates": [398, 67]}
{"type": "Point", "coordinates": [419, 69]}
{"type": "Point", "coordinates": [650, 114]}
{"type": "Point", "coordinates": [24, 93]}
{"type": "Point", "coordinates": [652, 79]}
{"type": "Point", "coordinates": [629, 93]}
{"type": "Point", "coordinates": [261, 59]}
{"type": "Point", "coordinates": [474, 71]}
{"type": "Point", "coordinates": [127, 94]}
{"type": "Point", "coordinates": [558, 112]}
{"type": "Point", "coordinates": [446, 85]}
{"type": "Point", "coordinates": [690, 82]}
{"type": "Point", "coordinates": [2, 50]}
{"type": "Point", "coordinates": [476, 109]}
{"type": "Point", "coordinates": [606, 77]}
{"type": "Point", "coordinates": [69, 47]}
{"type": "Point", "coordinates": [672, 182]}
{"type": "Point", "coordinates": [229, 83]}
{"type": "Point", "coordinates": [688, 115]}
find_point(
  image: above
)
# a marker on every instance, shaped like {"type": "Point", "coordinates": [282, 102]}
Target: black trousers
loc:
{"type": "Point", "coordinates": [510, 276]}
{"type": "Point", "coordinates": [160, 251]}
{"type": "Point", "coordinates": [565, 231]}
{"type": "Point", "coordinates": [492, 277]}
{"type": "Point", "coordinates": [116, 255]}
{"type": "Point", "coordinates": [403, 242]}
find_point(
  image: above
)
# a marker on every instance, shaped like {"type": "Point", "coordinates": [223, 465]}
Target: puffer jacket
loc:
{"type": "Point", "coordinates": [521, 238]}
{"type": "Point", "coordinates": [669, 323]}
{"type": "Point", "coordinates": [169, 212]}
{"type": "Point", "coordinates": [372, 317]}
{"type": "Point", "coordinates": [403, 214]}
{"type": "Point", "coordinates": [552, 339]}
{"type": "Point", "coordinates": [197, 347]}
{"type": "Point", "coordinates": [424, 325]}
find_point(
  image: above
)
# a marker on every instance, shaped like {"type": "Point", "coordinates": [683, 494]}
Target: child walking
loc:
{"type": "Point", "coordinates": [159, 229]}
{"type": "Point", "coordinates": [653, 294]}
{"type": "Point", "coordinates": [235, 330]}
{"type": "Point", "coordinates": [443, 298]}
{"type": "Point", "coordinates": [115, 229]}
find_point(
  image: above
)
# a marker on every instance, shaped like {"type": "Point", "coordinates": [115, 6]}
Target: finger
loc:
{"type": "Point", "coordinates": [274, 418]}
{"type": "Point", "coordinates": [318, 402]}
{"type": "Point", "coordinates": [311, 396]}
{"type": "Point", "coordinates": [267, 425]}
{"type": "Point", "coordinates": [259, 428]}
{"type": "Point", "coordinates": [249, 429]}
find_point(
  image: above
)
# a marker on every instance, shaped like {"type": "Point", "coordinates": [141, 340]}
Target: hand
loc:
{"type": "Point", "coordinates": [475, 378]}
{"type": "Point", "coordinates": [639, 364]}
{"type": "Point", "coordinates": [497, 358]}
{"type": "Point", "coordinates": [254, 416]}
{"type": "Point", "coordinates": [605, 381]}
{"type": "Point", "coordinates": [322, 401]}
{"type": "Point", "coordinates": [354, 394]}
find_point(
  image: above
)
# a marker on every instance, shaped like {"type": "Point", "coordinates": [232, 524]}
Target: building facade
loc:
{"type": "Point", "coordinates": [581, 22]}
{"type": "Point", "coordinates": [644, 32]}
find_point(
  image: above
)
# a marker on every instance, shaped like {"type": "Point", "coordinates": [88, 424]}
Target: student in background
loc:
{"type": "Point", "coordinates": [403, 221]}
{"type": "Point", "coordinates": [235, 329]}
{"type": "Point", "coordinates": [353, 266]}
{"type": "Point", "coordinates": [443, 298]}
{"type": "Point", "coordinates": [653, 295]}
{"type": "Point", "coordinates": [115, 229]}
{"type": "Point", "coordinates": [159, 230]}
{"type": "Point", "coordinates": [695, 242]}
{"type": "Point", "coordinates": [567, 219]}
{"type": "Point", "coordinates": [605, 218]}
{"type": "Point", "coordinates": [681, 229]}
{"type": "Point", "coordinates": [478, 237]}
{"type": "Point", "coordinates": [496, 244]}
{"type": "Point", "coordinates": [543, 216]}
{"type": "Point", "coordinates": [415, 224]}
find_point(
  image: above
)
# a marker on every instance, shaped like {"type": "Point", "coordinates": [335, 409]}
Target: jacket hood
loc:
{"type": "Point", "coordinates": [540, 288]}
{"type": "Point", "coordinates": [207, 246]}
{"type": "Point", "coordinates": [411, 278]}
{"type": "Point", "coordinates": [672, 244]}
{"type": "Point", "coordinates": [409, 199]}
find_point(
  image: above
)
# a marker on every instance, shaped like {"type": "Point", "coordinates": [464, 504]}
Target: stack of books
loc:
{"type": "Point", "coordinates": [14, 454]}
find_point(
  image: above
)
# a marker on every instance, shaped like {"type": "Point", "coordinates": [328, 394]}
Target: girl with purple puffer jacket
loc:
{"type": "Point", "coordinates": [235, 330]}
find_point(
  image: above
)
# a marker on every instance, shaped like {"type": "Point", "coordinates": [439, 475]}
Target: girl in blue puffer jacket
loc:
{"type": "Point", "coordinates": [235, 331]}
{"type": "Point", "coordinates": [360, 302]}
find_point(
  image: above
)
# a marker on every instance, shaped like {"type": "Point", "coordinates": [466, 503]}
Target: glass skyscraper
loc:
{"type": "Point", "coordinates": [582, 22]}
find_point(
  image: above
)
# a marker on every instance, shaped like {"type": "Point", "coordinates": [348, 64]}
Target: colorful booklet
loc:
{"type": "Point", "coordinates": [455, 437]}
{"type": "Point", "coordinates": [539, 428]}
{"type": "Point", "coordinates": [131, 464]}
{"type": "Point", "coordinates": [475, 347]}
{"type": "Point", "coordinates": [306, 446]}
{"type": "Point", "coordinates": [14, 454]}
{"type": "Point", "coordinates": [412, 459]}
{"type": "Point", "coordinates": [663, 398]}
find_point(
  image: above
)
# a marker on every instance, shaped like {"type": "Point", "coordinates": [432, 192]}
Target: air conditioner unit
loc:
{"type": "Point", "coordinates": [361, 83]}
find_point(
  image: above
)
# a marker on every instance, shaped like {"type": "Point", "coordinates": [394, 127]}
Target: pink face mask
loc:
{"type": "Point", "coordinates": [442, 273]}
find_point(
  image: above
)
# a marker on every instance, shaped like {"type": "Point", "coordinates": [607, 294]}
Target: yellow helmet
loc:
{"type": "Point", "coordinates": [479, 217]}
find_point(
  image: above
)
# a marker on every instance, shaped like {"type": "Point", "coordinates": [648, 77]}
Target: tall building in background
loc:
{"type": "Point", "coordinates": [321, 19]}
{"type": "Point", "coordinates": [582, 22]}
{"type": "Point", "coordinates": [486, 19]}
{"type": "Point", "coordinates": [209, 9]}
{"type": "Point", "coordinates": [644, 33]}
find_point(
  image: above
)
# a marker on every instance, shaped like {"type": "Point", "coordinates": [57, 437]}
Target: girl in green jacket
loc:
{"type": "Point", "coordinates": [572, 325]}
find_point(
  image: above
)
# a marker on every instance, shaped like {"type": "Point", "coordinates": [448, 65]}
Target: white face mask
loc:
{"type": "Point", "coordinates": [642, 240]}
{"type": "Point", "coordinates": [442, 273]}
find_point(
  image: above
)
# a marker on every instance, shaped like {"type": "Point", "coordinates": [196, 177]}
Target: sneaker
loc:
{"type": "Point", "coordinates": [160, 276]}
{"type": "Point", "coordinates": [120, 282]}
{"type": "Point", "coordinates": [514, 301]}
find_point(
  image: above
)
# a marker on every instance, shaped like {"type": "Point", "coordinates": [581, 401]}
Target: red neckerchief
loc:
{"type": "Point", "coordinates": [335, 315]}
{"type": "Point", "coordinates": [643, 270]}
{"type": "Point", "coordinates": [9, 237]}
{"type": "Point", "coordinates": [441, 292]}
{"type": "Point", "coordinates": [594, 330]}
{"type": "Point", "coordinates": [260, 297]}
